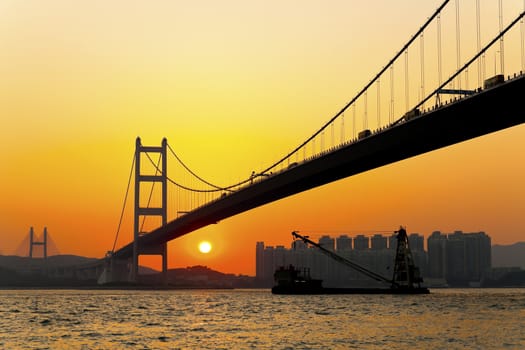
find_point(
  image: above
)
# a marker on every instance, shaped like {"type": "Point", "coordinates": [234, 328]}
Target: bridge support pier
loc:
{"type": "Point", "coordinates": [162, 211]}
{"type": "Point", "coordinates": [115, 271]}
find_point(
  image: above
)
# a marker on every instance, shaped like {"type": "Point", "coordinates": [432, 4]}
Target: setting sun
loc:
{"type": "Point", "coordinates": [204, 247]}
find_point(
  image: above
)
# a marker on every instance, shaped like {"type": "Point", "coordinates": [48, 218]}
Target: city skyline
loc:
{"type": "Point", "coordinates": [232, 87]}
{"type": "Point", "coordinates": [450, 259]}
{"type": "Point", "coordinates": [23, 248]}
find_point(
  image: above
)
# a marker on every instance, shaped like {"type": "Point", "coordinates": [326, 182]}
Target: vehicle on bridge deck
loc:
{"type": "Point", "coordinates": [494, 81]}
{"type": "Point", "coordinates": [412, 114]}
{"type": "Point", "coordinates": [364, 133]}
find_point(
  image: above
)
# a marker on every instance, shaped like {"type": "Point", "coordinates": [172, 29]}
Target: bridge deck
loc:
{"type": "Point", "coordinates": [482, 113]}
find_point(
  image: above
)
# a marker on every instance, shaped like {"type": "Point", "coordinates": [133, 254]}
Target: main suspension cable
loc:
{"type": "Point", "coordinates": [217, 188]}
{"type": "Point", "coordinates": [378, 75]}
{"type": "Point", "coordinates": [189, 188]}
{"type": "Point", "coordinates": [124, 205]}
{"type": "Point", "coordinates": [191, 172]}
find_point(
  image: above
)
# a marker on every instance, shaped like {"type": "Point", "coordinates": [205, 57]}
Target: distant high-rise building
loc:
{"type": "Point", "coordinates": [361, 242]}
{"type": "Point", "coordinates": [279, 257]}
{"type": "Point", "coordinates": [378, 242]}
{"type": "Point", "coordinates": [259, 261]}
{"type": "Point", "coordinates": [392, 241]}
{"type": "Point", "coordinates": [299, 245]}
{"type": "Point", "coordinates": [269, 267]}
{"type": "Point", "coordinates": [456, 263]}
{"type": "Point", "coordinates": [468, 257]}
{"type": "Point", "coordinates": [478, 255]}
{"type": "Point", "coordinates": [343, 243]}
{"type": "Point", "coordinates": [460, 258]}
{"type": "Point", "coordinates": [327, 242]}
{"type": "Point", "coordinates": [416, 242]}
{"type": "Point", "coordinates": [436, 245]}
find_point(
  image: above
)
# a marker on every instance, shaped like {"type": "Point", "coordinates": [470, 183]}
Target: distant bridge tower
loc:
{"type": "Point", "coordinates": [139, 211]}
{"type": "Point", "coordinates": [32, 242]}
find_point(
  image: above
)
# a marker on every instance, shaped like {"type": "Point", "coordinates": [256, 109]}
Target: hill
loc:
{"type": "Point", "coordinates": [25, 264]}
{"type": "Point", "coordinates": [18, 271]}
{"type": "Point", "coordinates": [509, 255]}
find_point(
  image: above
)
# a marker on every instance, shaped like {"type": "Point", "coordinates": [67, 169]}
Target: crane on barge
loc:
{"type": "Point", "coordinates": [405, 280]}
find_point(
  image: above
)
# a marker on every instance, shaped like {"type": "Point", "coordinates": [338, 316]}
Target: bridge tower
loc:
{"type": "Point", "coordinates": [162, 211]}
{"type": "Point", "coordinates": [32, 242]}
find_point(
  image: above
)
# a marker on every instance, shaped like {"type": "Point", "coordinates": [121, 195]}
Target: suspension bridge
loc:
{"type": "Point", "coordinates": [457, 100]}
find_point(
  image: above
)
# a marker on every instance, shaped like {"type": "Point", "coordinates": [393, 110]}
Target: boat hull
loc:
{"type": "Point", "coordinates": [291, 290]}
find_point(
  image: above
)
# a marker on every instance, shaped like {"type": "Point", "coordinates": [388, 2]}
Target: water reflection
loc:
{"type": "Point", "coordinates": [255, 318]}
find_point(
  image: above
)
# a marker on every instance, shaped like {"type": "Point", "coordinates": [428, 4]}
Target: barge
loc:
{"type": "Point", "coordinates": [406, 278]}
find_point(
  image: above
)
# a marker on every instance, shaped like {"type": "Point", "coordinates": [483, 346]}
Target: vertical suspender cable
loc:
{"type": "Point", "coordinates": [365, 116]}
{"type": "Point", "coordinates": [353, 120]}
{"type": "Point", "coordinates": [343, 128]}
{"type": "Point", "coordinates": [177, 199]}
{"type": "Point", "coordinates": [391, 104]}
{"type": "Point", "coordinates": [438, 21]}
{"type": "Point", "coordinates": [458, 44]}
{"type": "Point", "coordinates": [187, 196]}
{"type": "Point", "coordinates": [200, 197]}
{"type": "Point", "coordinates": [422, 46]}
{"type": "Point", "coordinates": [333, 136]}
{"type": "Point", "coordinates": [478, 30]}
{"type": "Point", "coordinates": [197, 196]}
{"type": "Point", "coordinates": [192, 195]}
{"type": "Point", "coordinates": [523, 41]}
{"type": "Point", "coordinates": [183, 194]}
{"type": "Point", "coordinates": [304, 152]}
{"type": "Point", "coordinates": [378, 103]}
{"type": "Point", "coordinates": [501, 46]}
{"type": "Point", "coordinates": [406, 80]}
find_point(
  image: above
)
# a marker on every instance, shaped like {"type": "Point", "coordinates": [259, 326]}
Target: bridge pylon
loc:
{"type": "Point", "coordinates": [39, 263]}
{"type": "Point", "coordinates": [162, 211]}
{"type": "Point", "coordinates": [33, 242]}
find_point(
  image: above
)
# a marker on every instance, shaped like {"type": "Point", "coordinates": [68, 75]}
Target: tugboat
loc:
{"type": "Point", "coordinates": [291, 280]}
{"type": "Point", "coordinates": [406, 278]}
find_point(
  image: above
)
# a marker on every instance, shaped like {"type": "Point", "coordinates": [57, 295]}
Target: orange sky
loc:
{"type": "Point", "coordinates": [233, 86]}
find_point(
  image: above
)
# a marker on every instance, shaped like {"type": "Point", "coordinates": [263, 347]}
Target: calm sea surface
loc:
{"type": "Point", "coordinates": [240, 319]}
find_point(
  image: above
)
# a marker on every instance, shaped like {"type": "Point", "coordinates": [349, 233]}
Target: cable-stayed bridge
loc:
{"type": "Point", "coordinates": [457, 100]}
{"type": "Point", "coordinates": [37, 246]}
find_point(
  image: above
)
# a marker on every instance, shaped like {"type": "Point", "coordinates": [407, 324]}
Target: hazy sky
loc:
{"type": "Point", "coordinates": [233, 86]}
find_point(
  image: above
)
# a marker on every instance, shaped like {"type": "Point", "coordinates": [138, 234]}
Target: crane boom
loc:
{"type": "Point", "coordinates": [345, 261]}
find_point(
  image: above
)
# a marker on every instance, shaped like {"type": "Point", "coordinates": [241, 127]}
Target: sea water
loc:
{"type": "Point", "coordinates": [245, 319]}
